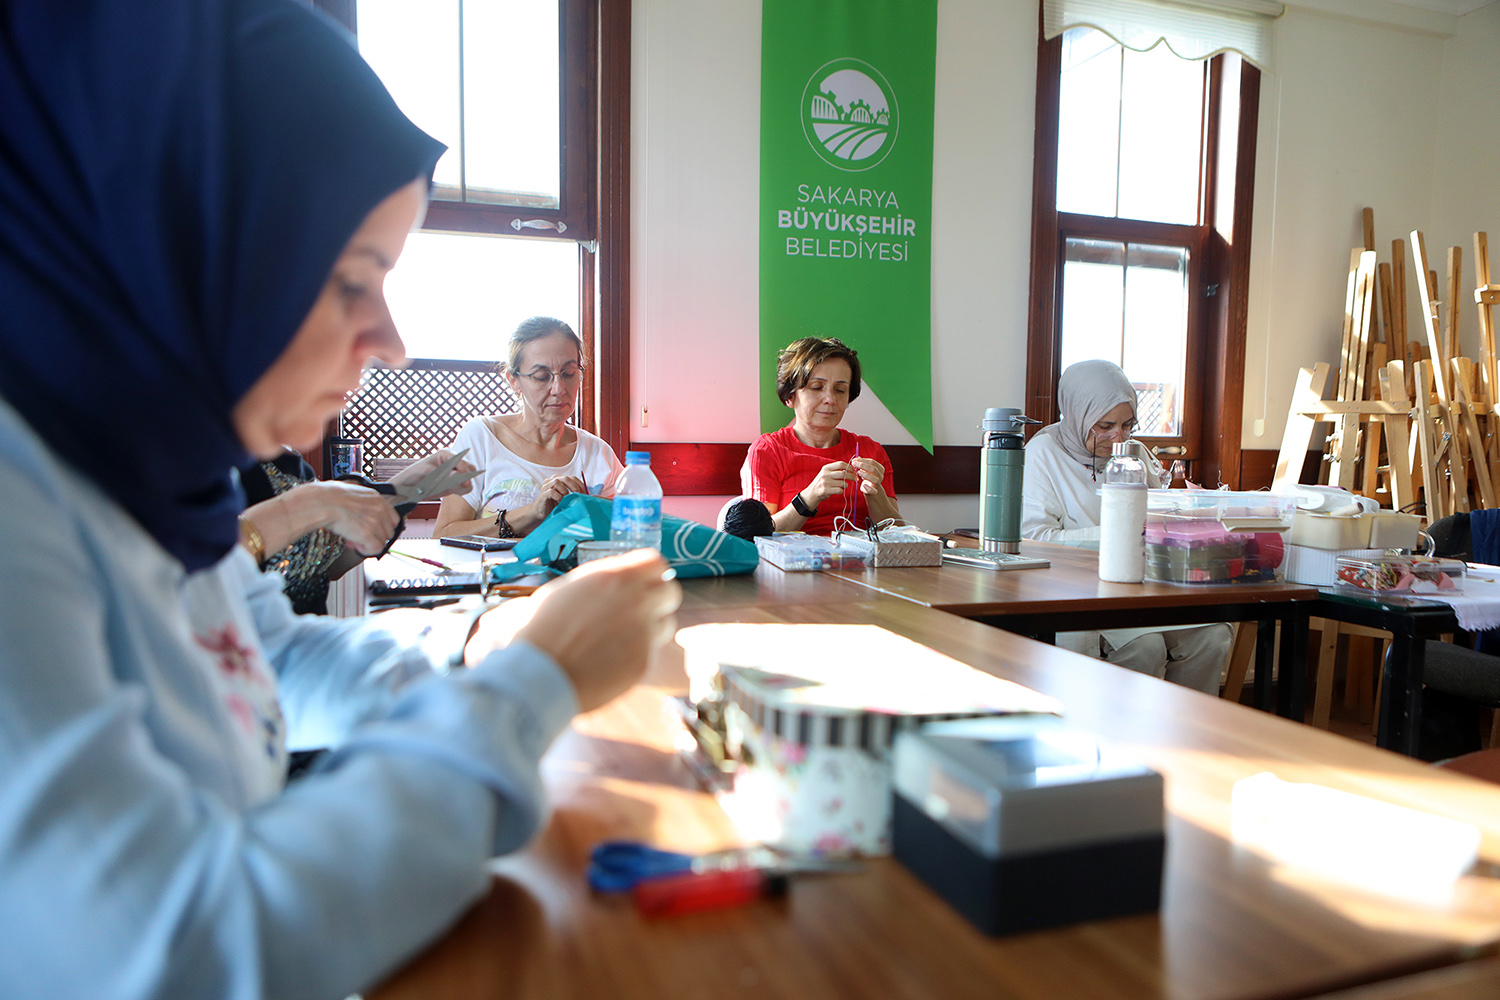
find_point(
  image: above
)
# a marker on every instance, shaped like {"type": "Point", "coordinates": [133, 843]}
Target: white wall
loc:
{"type": "Point", "coordinates": [1351, 117]}
{"type": "Point", "coordinates": [1466, 178]}
{"type": "Point", "coordinates": [1347, 121]}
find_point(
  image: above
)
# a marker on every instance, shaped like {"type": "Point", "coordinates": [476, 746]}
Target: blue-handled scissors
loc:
{"type": "Point", "coordinates": [620, 865]}
{"type": "Point", "coordinates": [617, 865]}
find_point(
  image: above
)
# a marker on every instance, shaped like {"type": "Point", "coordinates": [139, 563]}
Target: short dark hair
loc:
{"type": "Point", "coordinates": [795, 364]}
{"type": "Point", "coordinates": [536, 328]}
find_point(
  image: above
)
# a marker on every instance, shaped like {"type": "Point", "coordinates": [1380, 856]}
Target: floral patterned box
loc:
{"type": "Point", "coordinates": [810, 713]}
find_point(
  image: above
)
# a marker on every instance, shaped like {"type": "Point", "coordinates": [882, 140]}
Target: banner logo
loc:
{"type": "Point", "coordinates": [849, 114]}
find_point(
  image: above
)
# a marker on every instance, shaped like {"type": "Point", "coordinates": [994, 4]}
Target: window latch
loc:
{"type": "Point", "coordinates": [1211, 290]}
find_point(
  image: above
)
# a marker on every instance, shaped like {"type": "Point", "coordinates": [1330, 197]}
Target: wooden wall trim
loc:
{"type": "Point", "coordinates": [612, 299]}
{"type": "Point", "coordinates": [1227, 392]}
{"type": "Point", "coordinates": [692, 469]}
{"type": "Point", "coordinates": [1041, 346]}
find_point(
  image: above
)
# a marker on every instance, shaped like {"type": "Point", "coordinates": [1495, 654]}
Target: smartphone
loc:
{"type": "Point", "coordinates": [479, 542]}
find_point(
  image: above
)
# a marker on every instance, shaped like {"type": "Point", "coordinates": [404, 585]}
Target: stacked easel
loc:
{"type": "Point", "coordinates": [1431, 431]}
{"type": "Point", "coordinates": [1407, 417]}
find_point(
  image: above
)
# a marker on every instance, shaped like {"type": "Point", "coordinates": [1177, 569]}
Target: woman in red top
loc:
{"type": "Point", "coordinates": [810, 472]}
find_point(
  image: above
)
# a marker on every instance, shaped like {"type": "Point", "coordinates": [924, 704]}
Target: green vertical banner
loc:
{"type": "Point", "coordinates": [846, 99]}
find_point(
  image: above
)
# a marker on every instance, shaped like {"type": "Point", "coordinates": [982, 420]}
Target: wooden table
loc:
{"type": "Point", "coordinates": [1478, 980]}
{"type": "Point", "coordinates": [1233, 925]}
{"type": "Point", "coordinates": [1069, 596]}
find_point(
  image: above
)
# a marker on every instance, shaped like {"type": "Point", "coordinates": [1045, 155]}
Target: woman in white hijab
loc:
{"type": "Point", "coordinates": [1060, 503]}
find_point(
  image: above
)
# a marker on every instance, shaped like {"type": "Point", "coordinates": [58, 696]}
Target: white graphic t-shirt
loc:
{"type": "Point", "coordinates": [506, 481]}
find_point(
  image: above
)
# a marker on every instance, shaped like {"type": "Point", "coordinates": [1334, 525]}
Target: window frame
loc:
{"type": "Point", "coordinates": [595, 110]}
{"type": "Point", "coordinates": [1218, 271]}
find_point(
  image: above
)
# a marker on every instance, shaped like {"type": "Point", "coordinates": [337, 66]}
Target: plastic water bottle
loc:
{"type": "Point", "coordinates": [1122, 518]}
{"type": "Point", "coordinates": [637, 506]}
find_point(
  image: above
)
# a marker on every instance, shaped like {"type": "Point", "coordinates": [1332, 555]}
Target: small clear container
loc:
{"type": "Point", "coordinates": [1239, 510]}
{"type": "Point", "coordinates": [1400, 575]}
{"type": "Point", "coordinates": [800, 552]}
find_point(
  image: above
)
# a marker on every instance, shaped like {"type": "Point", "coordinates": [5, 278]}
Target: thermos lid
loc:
{"type": "Point", "coordinates": [1121, 448]}
{"type": "Point", "coordinates": [1005, 419]}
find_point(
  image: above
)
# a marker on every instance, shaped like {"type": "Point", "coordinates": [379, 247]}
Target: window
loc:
{"type": "Point", "coordinates": [529, 212]}
{"type": "Point", "coordinates": [1134, 207]}
{"type": "Point", "coordinates": [509, 211]}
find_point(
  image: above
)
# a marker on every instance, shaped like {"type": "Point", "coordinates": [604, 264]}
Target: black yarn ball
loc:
{"type": "Point", "coordinates": [748, 518]}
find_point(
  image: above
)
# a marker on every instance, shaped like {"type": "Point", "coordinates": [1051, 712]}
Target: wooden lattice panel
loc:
{"type": "Point", "coordinates": [412, 412]}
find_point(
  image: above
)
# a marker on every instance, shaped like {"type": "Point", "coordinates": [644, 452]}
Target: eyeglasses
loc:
{"type": "Point", "coordinates": [543, 377]}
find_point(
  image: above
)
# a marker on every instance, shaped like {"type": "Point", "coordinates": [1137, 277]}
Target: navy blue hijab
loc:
{"type": "Point", "coordinates": [177, 178]}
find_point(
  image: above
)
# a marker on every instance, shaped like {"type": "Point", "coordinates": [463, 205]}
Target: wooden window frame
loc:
{"type": "Point", "coordinates": [595, 111]}
{"type": "Point", "coordinates": [1219, 270]}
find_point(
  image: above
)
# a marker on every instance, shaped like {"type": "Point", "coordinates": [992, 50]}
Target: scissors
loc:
{"type": "Point", "coordinates": [666, 883]}
{"type": "Point", "coordinates": [621, 865]}
{"type": "Point", "coordinates": [436, 483]}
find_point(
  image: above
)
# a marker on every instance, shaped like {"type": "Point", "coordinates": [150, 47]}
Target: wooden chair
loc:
{"type": "Point", "coordinates": [1242, 652]}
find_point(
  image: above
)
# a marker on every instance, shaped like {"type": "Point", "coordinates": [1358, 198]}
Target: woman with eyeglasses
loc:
{"type": "Point", "coordinates": [1060, 503]}
{"type": "Point", "coordinates": [531, 459]}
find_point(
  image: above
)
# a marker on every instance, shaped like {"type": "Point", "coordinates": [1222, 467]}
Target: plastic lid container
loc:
{"type": "Point", "coordinates": [1233, 509]}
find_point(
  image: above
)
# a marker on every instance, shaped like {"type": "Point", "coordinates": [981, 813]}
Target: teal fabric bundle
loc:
{"type": "Point", "coordinates": [693, 549]}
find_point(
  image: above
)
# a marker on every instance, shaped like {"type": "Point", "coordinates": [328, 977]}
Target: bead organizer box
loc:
{"type": "Point", "coordinates": [1404, 575]}
{"type": "Point", "coordinates": [1215, 536]}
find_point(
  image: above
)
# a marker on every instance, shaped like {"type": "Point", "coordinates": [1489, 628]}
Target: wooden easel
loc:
{"type": "Point", "coordinates": [1461, 419]}
{"type": "Point", "coordinates": [1308, 408]}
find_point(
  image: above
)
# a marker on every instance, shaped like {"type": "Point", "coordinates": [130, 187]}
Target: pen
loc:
{"type": "Point", "coordinates": [422, 559]}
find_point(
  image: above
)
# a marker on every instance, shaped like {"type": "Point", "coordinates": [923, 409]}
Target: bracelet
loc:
{"type": "Point", "coordinates": [251, 539]}
{"type": "Point", "coordinates": [503, 526]}
{"type": "Point", "coordinates": [801, 506]}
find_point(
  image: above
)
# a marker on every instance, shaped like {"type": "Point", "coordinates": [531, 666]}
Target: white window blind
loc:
{"type": "Point", "coordinates": [1193, 29]}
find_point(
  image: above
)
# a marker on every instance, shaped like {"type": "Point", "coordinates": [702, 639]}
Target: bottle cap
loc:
{"type": "Point", "coordinates": [637, 458]}
{"type": "Point", "coordinates": [1120, 449]}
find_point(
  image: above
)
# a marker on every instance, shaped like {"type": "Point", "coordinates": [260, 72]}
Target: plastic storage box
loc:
{"type": "Point", "coordinates": [794, 550]}
{"type": "Point", "coordinates": [1400, 575]}
{"type": "Point", "coordinates": [1215, 536]}
{"type": "Point", "coordinates": [1021, 825]}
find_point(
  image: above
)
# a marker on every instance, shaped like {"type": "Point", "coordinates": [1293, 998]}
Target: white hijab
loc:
{"type": "Point", "coordinates": [1085, 393]}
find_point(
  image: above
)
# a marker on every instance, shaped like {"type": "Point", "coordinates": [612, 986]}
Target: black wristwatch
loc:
{"type": "Point", "coordinates": [502, 527]}
{"type": "Point", "coordinates": [801, 507]}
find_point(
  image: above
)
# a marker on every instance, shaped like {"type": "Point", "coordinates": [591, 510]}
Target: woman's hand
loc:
{"type": "Point", "coordinates": [549, 495]}
{"type": "Point", "coordinates": [363, 518]}
{"type": "Point", "coordinates": [600, 623]}
{"type": "Point", "coordinates": [831, 481]}
{"type": "Point", "coordinates": [871, 476]}
{"type": "Point", "coordinates": [418, 470]}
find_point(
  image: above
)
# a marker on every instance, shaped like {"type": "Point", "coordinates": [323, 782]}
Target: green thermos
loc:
{"type": "Point", "coordinates": [1001, 470]}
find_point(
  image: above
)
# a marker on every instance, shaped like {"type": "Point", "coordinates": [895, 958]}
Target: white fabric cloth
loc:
{"type": "Point", "coordinates": [1477, 608]}
{"type": "Point", "coordinates": [507, 481]}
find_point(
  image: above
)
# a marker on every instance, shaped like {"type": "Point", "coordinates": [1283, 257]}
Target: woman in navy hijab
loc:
{"type": "Point", "coordinates": [199, 202]}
